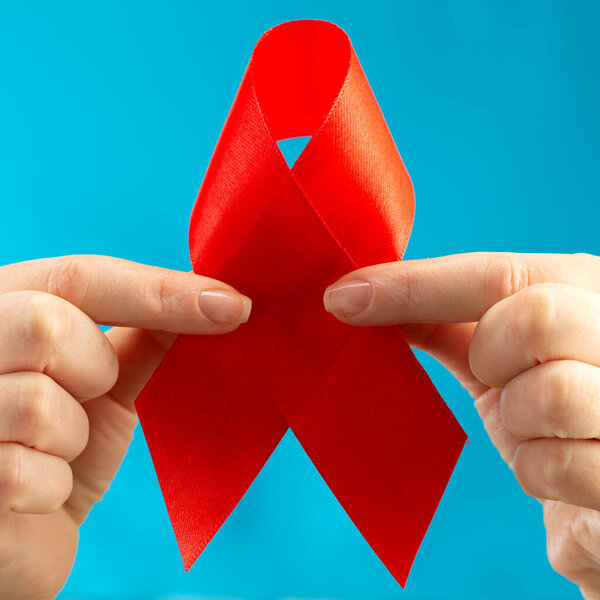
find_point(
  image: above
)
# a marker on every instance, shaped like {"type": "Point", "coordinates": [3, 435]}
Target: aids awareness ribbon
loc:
{"type": "Point", "coordinates": [357, 399]}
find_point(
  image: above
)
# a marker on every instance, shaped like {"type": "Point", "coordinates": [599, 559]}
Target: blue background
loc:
{"type": "Point", "coordinates": [109, 113]}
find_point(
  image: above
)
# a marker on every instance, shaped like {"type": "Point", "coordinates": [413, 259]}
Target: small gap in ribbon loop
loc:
{"type": "Point", "coordinates": [292, 148]}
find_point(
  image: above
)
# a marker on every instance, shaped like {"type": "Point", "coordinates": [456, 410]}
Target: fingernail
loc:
{"type": "Point", "coordinates": [348, 299]}
{"type": "Point", "coordinates": [223, 306]}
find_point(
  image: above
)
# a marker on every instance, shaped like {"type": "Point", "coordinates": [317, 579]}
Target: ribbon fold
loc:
{"type": "Point", "coordinates": [357, 399]}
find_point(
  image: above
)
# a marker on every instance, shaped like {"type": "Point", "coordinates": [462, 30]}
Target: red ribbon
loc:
{"type": "Point", "coordinates": [356, 398]}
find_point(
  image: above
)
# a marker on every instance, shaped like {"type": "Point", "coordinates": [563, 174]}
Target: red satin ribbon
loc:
{"type": "Point", "coordinates": [356, 398]}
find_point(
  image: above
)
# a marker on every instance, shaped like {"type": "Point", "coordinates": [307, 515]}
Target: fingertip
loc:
{"type": "Point", "coordinates": [377, 295]}
{"type": "Point", "coordinates": [348, 298]}
{"type": "Point", "coordinates": [247, 308]}
{"type": "Point", "coordinates": [225, 307]}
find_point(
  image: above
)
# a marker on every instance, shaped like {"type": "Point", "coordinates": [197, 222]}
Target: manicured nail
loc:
{"type": "Point", "coordinates": [348, 299]}
{"type": "Point", "coordinates": [223, 306]}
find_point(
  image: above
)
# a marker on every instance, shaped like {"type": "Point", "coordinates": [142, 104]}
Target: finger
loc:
{"type": "Point", "coordinates": [548, 321]}
{"type": "Point", "coordinates": [112, 416]}
{"type": "Point", "coordinates": [555, 399]}
{"type": "Point", "coordinates": [458, 288]}
{"type": "Point", "coordinates": [573, 544]}
{"type": "Point", "coordinates": [32, 482]}
{"type": "Point", "coordinates": [449, 344]}
{"type": "Point", "coordinates": [45, 334]}
{"type": "Point", "coordinates": [565, 470]}
{"type": "Point", "coordinates": [113, 291]}
{"type": "Point", "coordinates": [38, 413]}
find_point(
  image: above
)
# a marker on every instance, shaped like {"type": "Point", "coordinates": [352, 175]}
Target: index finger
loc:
{"type": "Point", "coordinates": [113, 291]}
{"type": "Point", "coordinates": [458, 288]}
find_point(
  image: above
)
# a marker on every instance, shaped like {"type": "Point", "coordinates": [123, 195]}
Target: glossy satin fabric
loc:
{"type": "Point", "coordinates": [356, 398]}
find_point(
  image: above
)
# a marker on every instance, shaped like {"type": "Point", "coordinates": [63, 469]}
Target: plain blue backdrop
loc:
{"type": "Point", "coordinates": [109, 112]}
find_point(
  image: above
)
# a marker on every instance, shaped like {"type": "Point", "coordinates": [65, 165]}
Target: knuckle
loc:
{"type": "Point", "coordinates": [161, 291]}
{"type": "Point", "coordinates": [504, 276]}
{"type": "Point", "coordinates": [36, 403]}
{"type": "Point", "coordinates": [562, 554]}
{"type": "Point", "coordinates": [555, 468]}
{"type": "Point", "coordinates": [568, 543]}
{"type": "Point", "coordinates": [555, 402]}
{"type": "Point", "coordinates": [10, 475]}
{"type": "Point", "coordinates": [43, 322]}
{"type": "Point", "coordinates": [70, 278]}
{"type": "Point", "coordinates": [588, 265]}
{"type": "Point", "coordinates": [402, 287]}
{"type": "Point", "coordinates": [542, 466]}
{"type": "Point", "coordinates": [510, 412]}
{"type": "Point", "coordinates": [536, 311]}
{"type": "Point", "coordinates": [586, 257]}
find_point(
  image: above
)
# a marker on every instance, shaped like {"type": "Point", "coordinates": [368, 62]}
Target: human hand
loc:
{"type": "Point", "coordinates": [67, 392]}
{"type": "Point", "coordinates": [522, 335]}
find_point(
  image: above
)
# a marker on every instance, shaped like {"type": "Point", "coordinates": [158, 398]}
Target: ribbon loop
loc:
{"type": "Point", "coordinates": [298, 73]}
{"type": "Point", "coordinates": [357, 399]}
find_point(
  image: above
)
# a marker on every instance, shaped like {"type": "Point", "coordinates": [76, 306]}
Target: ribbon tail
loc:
{"type": "Point", "coordinates": [384, 441]}
{"type": "Point", "coordinates": [210, 428]}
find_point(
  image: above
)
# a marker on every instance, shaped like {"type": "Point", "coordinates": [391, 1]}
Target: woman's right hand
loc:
{"type": "Point", "coordinates": [521, 332]}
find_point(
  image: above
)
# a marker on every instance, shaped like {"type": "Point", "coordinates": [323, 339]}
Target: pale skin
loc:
{"type": "Point", "coordinates": [520, 332]}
